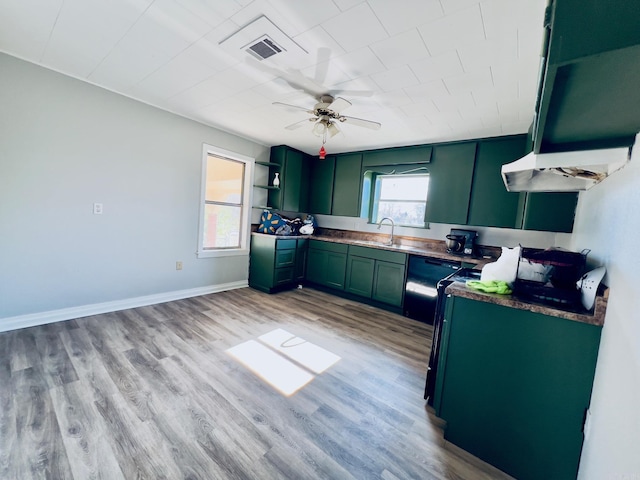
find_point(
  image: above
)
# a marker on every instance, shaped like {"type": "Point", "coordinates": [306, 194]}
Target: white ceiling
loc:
{"type": "Point", "coordinates": [428, 70]}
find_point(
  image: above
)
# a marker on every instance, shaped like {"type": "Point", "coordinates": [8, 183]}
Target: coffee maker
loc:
{"type": "Point", "coordinates": [462, 242]}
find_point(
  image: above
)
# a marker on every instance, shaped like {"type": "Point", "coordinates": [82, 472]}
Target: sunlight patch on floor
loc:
{"type": "Point", "coordinates": [283, 360]}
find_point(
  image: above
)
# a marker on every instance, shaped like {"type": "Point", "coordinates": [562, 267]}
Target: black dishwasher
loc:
{"type": "Point", "coordinates": [421, 294]}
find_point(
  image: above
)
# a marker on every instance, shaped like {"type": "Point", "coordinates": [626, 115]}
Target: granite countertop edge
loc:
{"type": "Point", "coordinates": [430, 248]}
{"type": "Point", "coordinates": [596, 318]}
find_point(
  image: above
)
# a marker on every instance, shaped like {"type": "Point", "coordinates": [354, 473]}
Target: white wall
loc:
{"type": "Point", "coordinates": [497, 237]}
{"type": "Point", "coordinates": [608, 222]}
{"type": "Point", "coordinates": [65, 144]}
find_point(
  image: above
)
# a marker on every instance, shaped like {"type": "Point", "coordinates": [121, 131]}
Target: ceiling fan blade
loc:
{"type": "Point", "coordinates": [295, 126]}
{"type": "Point", "coordinates": [361, 122]}
{"type": "Point", "coordinates": [293, 107]}
{"type": "Point", "coordinates": [339, 104]}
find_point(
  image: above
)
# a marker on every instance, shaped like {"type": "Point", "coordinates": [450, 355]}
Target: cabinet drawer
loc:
{"type": "Point", "coordinates": [378, 254]}
{"type": "Point", "coordinates": [283, 276]}
{"type": "Point", "coordinates": [285, 244]}
{"type": "Point", "coordinates": [285, 258]}
{"type": "Point", "coordinates": [329, 246]}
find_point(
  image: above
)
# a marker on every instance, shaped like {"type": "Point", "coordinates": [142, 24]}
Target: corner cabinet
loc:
{"type": "Point", "coordinates": [514, 386]}
{"type": "Point", "coordinates": [276, 263]}
{"type": "Point", "coordinates": [294, 169]}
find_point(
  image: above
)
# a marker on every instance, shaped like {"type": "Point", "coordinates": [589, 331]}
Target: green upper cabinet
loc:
{"type": "Point", "coordinates": [491, 204]}
{"type": "Point", "coordinates": [347, 185]}
{"type": "Point", "coordinates": [451, 174]}
{"type": "Point", "coordinates": [589, 96]}
{"type": "Point", "coordinates": [548, 211]}
{"type": "Point", "coordinates": [397, 156]}
{"type": "Point", "coordinates": [294, 179]}
{"type": "Point", "coordinates": [321, 184]}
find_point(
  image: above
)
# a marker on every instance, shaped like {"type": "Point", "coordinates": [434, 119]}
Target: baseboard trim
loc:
{"type": "Point", "coordinates": [52, 316]}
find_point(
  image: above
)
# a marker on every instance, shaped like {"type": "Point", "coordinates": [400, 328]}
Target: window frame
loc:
{"type": "Point", "coordinates": [375, 183]}
{"type": "Point", "coordinates": [246, 206]}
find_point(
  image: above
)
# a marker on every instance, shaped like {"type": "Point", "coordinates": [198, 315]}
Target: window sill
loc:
{"type": "Point", "coordinates": [232, 252]}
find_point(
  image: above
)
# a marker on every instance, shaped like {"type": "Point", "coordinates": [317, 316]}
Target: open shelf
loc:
{"type": "Point", "coordinates": [268, 164]}
{"type": "Point", "coordinates": [268, 187]}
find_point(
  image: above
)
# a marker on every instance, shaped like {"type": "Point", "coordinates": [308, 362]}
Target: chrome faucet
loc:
{"type": "Point", "coordinates": [390, 242]}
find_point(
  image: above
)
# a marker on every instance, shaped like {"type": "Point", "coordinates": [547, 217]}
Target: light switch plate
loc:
{"type": "Point", "coordinates": [97, 209]}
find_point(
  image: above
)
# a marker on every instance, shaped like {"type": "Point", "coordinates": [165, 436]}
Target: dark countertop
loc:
{"type": "Point", "coordinates": [409, 245]}
{"type": "Point", "coordinates": [459, 289]}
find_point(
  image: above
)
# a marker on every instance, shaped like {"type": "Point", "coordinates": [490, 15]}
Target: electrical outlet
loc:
{"type": "Point", "coordinates": [97, 209]}
{"type": "Point", "coordinates": [178, 265]}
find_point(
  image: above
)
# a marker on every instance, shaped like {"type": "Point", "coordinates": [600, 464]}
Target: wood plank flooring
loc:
{"type": "Point", "coordinates": [152, 393]}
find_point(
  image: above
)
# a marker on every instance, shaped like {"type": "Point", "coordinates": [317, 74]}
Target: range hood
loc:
{"type": "Point", "coordinates": [564, 171]}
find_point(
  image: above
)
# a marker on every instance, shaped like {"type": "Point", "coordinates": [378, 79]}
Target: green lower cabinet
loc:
{"type": "Point", "coordinates": [388, 283]}
{"type": "Point", "coordinates": [274, 262]}
{"type": "Point", "coordinates": [327, 264]}
{"type": "Point", "coordinates": [514, 386]}
{"type": "Point", "coordinates": [376, 274]}
{"type": "Point", "coordinates": [360, 273]}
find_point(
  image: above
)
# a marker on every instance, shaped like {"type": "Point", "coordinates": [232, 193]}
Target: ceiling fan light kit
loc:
{"type": "Point", "coordinates": [325, 115]}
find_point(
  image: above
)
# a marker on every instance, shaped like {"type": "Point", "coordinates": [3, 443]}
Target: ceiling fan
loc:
{"type": "Point", "coordinates": [326, 114]}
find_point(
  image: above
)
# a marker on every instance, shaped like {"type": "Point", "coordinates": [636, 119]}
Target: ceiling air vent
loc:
{"type": "Point", "coordinates": [263, 40]}
{"type": "Point", "coordinates": [264, 48]}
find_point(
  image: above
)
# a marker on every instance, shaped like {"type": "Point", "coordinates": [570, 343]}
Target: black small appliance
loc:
{"type": "Point", "coordinates": [462, 242]}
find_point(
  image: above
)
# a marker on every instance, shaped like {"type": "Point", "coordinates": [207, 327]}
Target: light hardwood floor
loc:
{"type": "Point", "coordinates": [153, 393]}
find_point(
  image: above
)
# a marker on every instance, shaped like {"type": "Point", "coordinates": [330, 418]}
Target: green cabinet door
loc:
{"type": "Point", "coordinates": [294, 180]}
{"type": "Point", "coordinates": [515, 386]}
{"type": "Point", "coordinates": [549, 211]}
{"type": "Point", "coordinates": [327, 263]}
{"type": "Point", "coordinates": [336, 270]}
{"type": "Point", "coordinates": [301, 259]}
{"type": "Point", "coordinates": [359, 279]}
{"type": "Point", "coordinates": [450, 177]}
{"type": "Point", "coordinates": [491, 204]}
{"type": "Point", "coordinates": [388, 283]}
{"type": "Point", "coordinates": [321, 184]}
{"type": "Point", "coordinates": [316, 266]}
{"type": "Point", "coordinates": [347, 184]}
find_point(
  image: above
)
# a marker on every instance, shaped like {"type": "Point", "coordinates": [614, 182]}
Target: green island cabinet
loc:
{"type": "Point", "coordinates": [276, 263]}
{"type": "Point", "coordinates": [514, 386]}
{"type": "Point", "coordinates": [376, 274]}
{"type": "Point", "coordinates": [294, 168]}
{"type": "Point", "coordinates": [492, 205]}
{"type": "Point", "coordinates": [327, 263]}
